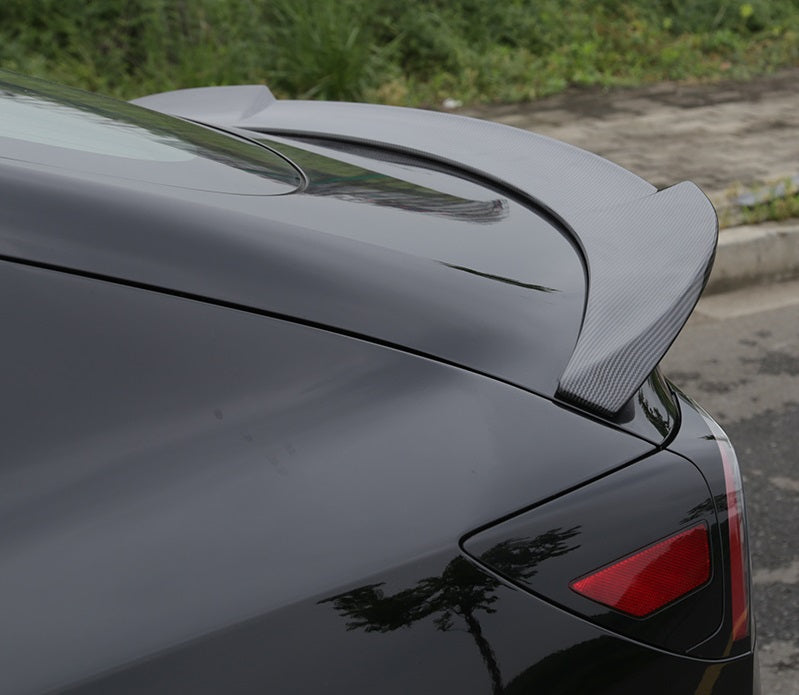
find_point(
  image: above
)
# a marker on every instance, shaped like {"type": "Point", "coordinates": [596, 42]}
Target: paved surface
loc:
{"type": "Point", "coordinates": [739, 357]}
{"type": "Point", "coordinates": [714, 135]}
{"type": "Point", "coordinates": [728, 138]}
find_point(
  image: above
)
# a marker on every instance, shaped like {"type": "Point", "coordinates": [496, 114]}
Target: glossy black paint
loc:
{"type": "Point", "coordinates": [172, 468]}
{"type": "Point", "coordinates": [364, 175]}
{"type": "Point", "coordinates": [549, 546]}
{"type": "Point", "coordinates": [663, 240]}
{"type": "Point", "coordinates": [190, 490]}
{"type": "Point", "coordinates": [245, 438]}
{"type": "Point", "coordinates": [653, 412]}
{"type": "Point", "coordinates": [440, 626]}
{"type": "Point", "coordinates": [696, 442]}
{"type": "Point", "coordinates": [451, 269]}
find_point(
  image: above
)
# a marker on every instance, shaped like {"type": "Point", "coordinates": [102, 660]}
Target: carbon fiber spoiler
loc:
{"type": "Point", "coordinates": [647, 253]}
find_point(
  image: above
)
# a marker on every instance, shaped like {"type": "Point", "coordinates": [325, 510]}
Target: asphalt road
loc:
{"type": "Point", "coordinates": [739, 357]}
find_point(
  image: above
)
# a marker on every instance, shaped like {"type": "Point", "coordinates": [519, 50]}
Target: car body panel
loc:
{"type": "Point", "coordinates": [172, 468]}
{"type": "Point", "coordinates": [380, 637]}
{"type": "Point", "coordinates": [663, 240]}
{"type": "Point", "coordinates": [698, 444]}
{"type": "Point", "coordinates": [549, 546]}
{"type": "Point", "coordinates": [454, 270]}
{"type": "Point", "coordinates": [246, 436]}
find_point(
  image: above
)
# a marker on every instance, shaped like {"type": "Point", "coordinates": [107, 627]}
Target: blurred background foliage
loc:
{"type": "Point", "coordinates": [403, 52]}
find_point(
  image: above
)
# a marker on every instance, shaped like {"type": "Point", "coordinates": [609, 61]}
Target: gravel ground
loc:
{"type": "Point", "coordinates": [715, 135]}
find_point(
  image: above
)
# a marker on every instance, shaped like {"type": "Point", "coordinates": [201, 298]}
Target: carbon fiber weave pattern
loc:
{"type": "Point", "coordinates": [647, 253]}
{"type": "Point", "coordinates": [648, 262]}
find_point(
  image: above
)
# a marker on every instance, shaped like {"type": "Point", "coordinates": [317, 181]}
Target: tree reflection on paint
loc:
{"type": "Point", "coordinates": [456, 596]}
{"type": "Point", "coordinates": [334, 178]}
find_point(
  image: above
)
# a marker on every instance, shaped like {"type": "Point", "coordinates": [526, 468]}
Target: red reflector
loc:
{"type": "Point", "coordinates": [654, 577]}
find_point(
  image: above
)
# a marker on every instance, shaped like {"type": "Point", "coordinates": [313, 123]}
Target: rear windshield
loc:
{"type": "Point", "coordinates": [54, 126]}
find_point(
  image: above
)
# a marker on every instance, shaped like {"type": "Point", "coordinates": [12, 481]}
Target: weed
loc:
{"type": "Point", "coordinates": [414, 52]}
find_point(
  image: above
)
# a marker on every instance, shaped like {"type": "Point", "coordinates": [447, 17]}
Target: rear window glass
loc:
{"type": "Point", "coordinates": [67, 129]}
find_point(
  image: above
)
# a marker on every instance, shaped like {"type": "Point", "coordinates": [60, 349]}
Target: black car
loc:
{"type": "Point", "coordinates": [333, 398]}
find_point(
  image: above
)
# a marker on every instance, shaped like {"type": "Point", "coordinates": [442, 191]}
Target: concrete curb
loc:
{"type": "Point", "coordinates": [755, 254]}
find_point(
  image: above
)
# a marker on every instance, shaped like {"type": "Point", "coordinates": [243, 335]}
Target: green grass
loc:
{"type": "Point", "coordinates": [774, 201]}
{"type": "Point", "coordinates": [411, 52]}
{"type": "Point", "coordinates": [783, 206]}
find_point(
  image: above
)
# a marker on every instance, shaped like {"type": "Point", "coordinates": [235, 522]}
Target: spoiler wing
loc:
{"type": "Point", "coordinates": [647, 253]}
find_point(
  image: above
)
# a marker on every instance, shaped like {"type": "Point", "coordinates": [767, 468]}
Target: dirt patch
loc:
{"type": "Point", "coordinates": [716, 135]}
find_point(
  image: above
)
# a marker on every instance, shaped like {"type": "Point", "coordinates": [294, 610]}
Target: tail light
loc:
{"type": "Point", "coordinates": [736, 534]}
{"type": "Point", "coordinates": [638, 552]}
{"type": "Point", "coordinates": [653, 577]}
{"type": "Point", "coordinates": [656, 551]}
